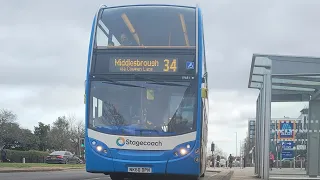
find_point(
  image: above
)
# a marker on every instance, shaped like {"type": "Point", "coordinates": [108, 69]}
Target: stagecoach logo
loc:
{"type": "Point", "coordinates": [121, 141]}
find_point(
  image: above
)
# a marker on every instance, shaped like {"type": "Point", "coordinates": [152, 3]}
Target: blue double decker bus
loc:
{"type": "Point", "coordinates": [146, 92]}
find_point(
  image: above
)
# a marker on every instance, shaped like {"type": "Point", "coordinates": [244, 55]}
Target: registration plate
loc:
{"type": "Point", "coordinates": [139, 169]}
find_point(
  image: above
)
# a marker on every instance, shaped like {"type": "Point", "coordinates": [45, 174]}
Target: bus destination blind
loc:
{"type": "Point", "coordinates": [143, 65]}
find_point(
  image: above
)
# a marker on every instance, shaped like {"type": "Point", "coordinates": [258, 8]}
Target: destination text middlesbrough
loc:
{"type": "Point", "coordinates": [136, 65]}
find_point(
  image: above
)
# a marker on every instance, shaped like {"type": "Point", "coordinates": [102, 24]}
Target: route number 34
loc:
{"type": "Point", "coordinates": [170, 66]}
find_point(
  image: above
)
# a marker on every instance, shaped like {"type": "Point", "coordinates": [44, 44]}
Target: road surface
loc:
{"type": "Point", "coordinates": [62, 175]}
{"type": "Point", "coordinates": [54, 175]}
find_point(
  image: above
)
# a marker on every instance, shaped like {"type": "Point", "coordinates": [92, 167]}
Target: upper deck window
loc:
{"type": "Point", "coordinates": [144, 26]}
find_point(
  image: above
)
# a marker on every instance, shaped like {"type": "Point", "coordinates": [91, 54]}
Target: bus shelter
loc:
{"type": "Point", "coordinates": [285, 79]}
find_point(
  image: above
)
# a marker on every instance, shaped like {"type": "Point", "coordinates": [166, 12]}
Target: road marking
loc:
{"type": "Point", "coordinates": [91, 178]}
{"type": "Point", "coordinates": [209, 175]}
{"type": "Point", "coordinates": [214, 174]}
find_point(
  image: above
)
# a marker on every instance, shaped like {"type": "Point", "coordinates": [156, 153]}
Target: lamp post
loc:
{"type": "Point", "coordinates": [240, 154]}
{"type": "Point", "coordinates": [236, 143]}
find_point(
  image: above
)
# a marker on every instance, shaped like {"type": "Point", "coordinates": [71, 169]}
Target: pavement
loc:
{"type": "Point", "coordinates": [276, 174]}
{"type": "Point", "coordinates": [216, 174]}
{"type": "Point", "coordinates": [288, 171]}
{"type": "Point", "coordinates": [243, 174]}
{"type": "Point", "coordinates": [290, 174]}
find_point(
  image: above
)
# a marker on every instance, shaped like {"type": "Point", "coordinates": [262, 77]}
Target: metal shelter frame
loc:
{"type": "Point", "coordinates": [285, 79]}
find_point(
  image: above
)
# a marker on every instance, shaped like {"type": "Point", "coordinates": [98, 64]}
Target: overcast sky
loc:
{"type": "Point", "coordinates": [43, 53]}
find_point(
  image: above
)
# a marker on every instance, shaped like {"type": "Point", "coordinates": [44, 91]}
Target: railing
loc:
{"type": "Point", "coordinates": [290, 164]}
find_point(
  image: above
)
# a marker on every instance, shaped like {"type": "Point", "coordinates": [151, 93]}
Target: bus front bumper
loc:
{"type": "Point", "coordinates": [186, 165]}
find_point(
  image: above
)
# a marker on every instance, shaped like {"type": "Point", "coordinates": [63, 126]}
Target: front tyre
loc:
{"type": "Point", "coordinates": [194, 178]}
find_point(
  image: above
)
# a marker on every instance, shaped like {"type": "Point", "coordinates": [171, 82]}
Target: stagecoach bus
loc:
{"type": "Point", "coordinates": [146, 92]}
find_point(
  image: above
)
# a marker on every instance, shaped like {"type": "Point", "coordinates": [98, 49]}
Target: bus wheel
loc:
{"type": "Point", "coordinates": [116, 177]}
{"type": "Point", "coordinates": [193, 178]}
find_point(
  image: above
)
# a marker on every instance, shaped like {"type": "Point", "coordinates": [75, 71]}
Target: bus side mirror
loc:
{"type": "Point", "coordinates": [204, 93]}
{"type": "Point", "coordinates": [204, 77]}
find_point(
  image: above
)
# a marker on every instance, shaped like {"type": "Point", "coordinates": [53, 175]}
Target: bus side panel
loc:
{"type": "Point", "coordinates": [87, 96]}
{"type": "Point", "coordinates": [200, 107]}
{"type": "Point", "coordinates": [88, 150]}
{"type": "Point", "coordinates": [186, 165]}
{"type": "Point", "coordinates": [203, 101]}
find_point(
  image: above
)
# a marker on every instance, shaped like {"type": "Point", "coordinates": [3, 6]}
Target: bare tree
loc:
{"type": "Point", "coordinates": [60, 134]}
{"type": "Point", "coordinates": [76, 132]}
{"type": "Point", "coordinates": [7, 116]}
{"type": "Point", "coordinates": [8, 127]}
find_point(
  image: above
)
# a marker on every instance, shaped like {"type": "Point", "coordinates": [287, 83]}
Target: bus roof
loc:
{"type": "Point", "coordinates": [131, 5]}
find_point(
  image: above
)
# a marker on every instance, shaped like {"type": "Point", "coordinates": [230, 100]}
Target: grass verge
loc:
{"type": "Point", "coordinates": [41, 165]}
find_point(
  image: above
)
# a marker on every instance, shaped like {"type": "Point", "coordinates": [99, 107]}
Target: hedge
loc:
{"type": "Point", "coordinates": [31, 156]}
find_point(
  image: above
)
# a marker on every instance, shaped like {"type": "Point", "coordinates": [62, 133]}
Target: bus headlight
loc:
{"type": "Point", "coordinates": [99, 148]}
{"type": "Point", "coordinates": [183, 151]}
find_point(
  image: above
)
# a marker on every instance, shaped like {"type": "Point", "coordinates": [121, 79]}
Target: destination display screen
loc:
{"type": "Point", "coordinates": [179, 64]}
{"type": "Point", "coordinates": [151, 65]}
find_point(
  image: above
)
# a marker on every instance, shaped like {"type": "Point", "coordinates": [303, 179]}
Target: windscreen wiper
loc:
{"type": "Point", "coordinates": [110, 81]}
{"type": "Point", "coordinates": [158, 82]}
